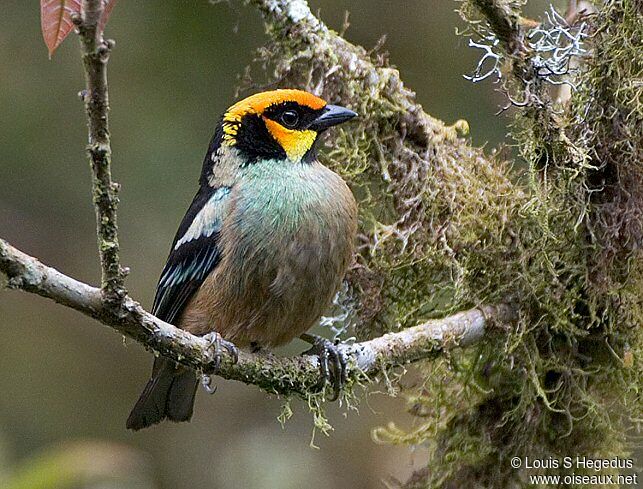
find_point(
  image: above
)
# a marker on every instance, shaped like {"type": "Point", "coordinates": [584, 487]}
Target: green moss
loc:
{"type": "Point", "coordinates": [561, 384]}
{"type": "Point", "coordinates": [444, 227]}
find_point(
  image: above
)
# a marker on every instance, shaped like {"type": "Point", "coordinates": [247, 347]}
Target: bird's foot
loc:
{"type": "Point", "coordinates": [216, 341]}
{"type": "Point", "coordinates": [206, 382]}
{"type": "Point", "coordinates": [332, 362]}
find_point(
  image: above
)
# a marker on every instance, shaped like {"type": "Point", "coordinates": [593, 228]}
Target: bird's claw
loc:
{"type": "Point", "coordinates": [206, 382]}
{"type": "Point", "coordinates": [215, 341]}
{"type": "Point", "coordinates": [332, 362]}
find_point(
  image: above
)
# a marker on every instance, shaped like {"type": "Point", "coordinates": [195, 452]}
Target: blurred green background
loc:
{"type": "Point", "coordinates": [67, 383]}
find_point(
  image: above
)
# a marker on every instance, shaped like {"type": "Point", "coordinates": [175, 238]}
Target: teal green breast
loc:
{"type": "Point", "coordinates": [280, 196]}
{"type": "Point", "coordinates": [286, 244]}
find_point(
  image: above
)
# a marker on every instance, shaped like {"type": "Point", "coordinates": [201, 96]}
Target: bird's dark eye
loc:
{"type": "Point", "coordinates": [289, 118]}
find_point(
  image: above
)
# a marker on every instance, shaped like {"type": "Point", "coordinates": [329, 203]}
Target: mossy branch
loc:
{"type": "Point", "coordinates": [413, 174]}
{"type": "Point", "coordinates": [504, 20]}
{"type": "Point", "coordinates": [444, 226]}
{"type": "Point", "coordinates": [293, 21]}
{"type": "Point", "coordinates": [95, 54]}
{"type": "Point", "coordinates": [507, 25]}
{"type": "Point", "coordinates": [280, 375]}
{"type": "Point", "coordinates": [111, 305]}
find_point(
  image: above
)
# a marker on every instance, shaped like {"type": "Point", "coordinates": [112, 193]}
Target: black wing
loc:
{"type": "Point", "coordinates": [193, 255]}
{"type": "Point", "coordinates": [190, 263]}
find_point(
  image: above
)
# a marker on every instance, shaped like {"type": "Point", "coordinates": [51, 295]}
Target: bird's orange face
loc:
{"type": "Point", "coordinates": [279, 124]}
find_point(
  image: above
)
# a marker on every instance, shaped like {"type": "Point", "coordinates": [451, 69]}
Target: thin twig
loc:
{"type": "Point", "coordinates": [95, 53]}
{"type": "Point", "coordinates": [281, 375]}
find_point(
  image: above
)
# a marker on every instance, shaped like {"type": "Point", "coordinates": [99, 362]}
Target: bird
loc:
{"type": "Point", "coordinates": [263, 248]}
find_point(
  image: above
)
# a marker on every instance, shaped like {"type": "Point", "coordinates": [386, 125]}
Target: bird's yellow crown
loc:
{"type": "Point", "coordinates": [259, 102]}
{"type": "Point", "coordinates": [295, 142]}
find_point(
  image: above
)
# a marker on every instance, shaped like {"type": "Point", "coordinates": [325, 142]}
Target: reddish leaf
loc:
{"type": "Point", "coordinates": [55, 20]}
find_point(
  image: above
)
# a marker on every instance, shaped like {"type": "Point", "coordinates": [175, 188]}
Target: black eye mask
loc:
{"type": "Point", "coordinates": [302, 117]}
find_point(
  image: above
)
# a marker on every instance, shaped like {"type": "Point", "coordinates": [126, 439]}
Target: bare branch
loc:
{"type": "Point", "coordinates": [95, 52]}
{"type": "Point", "coordinates": [281, 375]}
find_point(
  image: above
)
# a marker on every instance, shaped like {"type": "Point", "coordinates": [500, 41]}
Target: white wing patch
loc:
{"type": "Point", "coordinates": [208, 220]}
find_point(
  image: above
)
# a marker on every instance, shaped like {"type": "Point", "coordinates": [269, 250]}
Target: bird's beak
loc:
{"type": "Point", "coordinates": [332, 115]}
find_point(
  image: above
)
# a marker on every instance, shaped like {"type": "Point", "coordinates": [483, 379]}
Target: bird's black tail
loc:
{"type": "Point", "coordinates": [168, 394]}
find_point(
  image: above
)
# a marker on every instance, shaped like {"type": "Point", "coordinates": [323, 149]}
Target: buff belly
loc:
{"type": "Point", "coordinates": [286, 244]}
